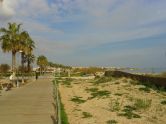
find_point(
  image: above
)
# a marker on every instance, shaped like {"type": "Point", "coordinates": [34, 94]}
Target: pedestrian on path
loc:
{"type": "Point", "coordinates": [36, 75]}
{"type": "Point", "coordinates": [13, 79]}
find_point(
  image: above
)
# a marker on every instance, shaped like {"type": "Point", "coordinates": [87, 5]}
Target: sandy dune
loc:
{"type": "Point", "coordinates": [106, 110]}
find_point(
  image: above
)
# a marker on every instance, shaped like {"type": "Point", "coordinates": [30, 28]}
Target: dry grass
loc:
{"type": "Point", "coordinates": [113, 101]}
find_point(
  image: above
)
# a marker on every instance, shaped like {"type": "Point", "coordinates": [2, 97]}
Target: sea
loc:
{"type": "Point", "coordinates": [146, 70]}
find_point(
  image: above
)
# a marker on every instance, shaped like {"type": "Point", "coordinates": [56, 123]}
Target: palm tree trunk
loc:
{"type": "Point", "coordinates": [29, 66]}
{"type": "Point", "coordinates": [14, 61]}
{"type": "Point", "coordinates": [22, 66]}
{"type": "Point", "coordinates": [41, 70]}
{"type": "Point", "coordinates": [22, 61]}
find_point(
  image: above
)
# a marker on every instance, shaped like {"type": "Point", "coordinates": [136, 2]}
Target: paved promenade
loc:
{"type": "Point", "coordinates": [29, 104]}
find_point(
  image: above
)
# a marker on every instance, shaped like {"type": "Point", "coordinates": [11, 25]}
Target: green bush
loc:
{"type": "Point", "coordinates": [128, 112]}
{"type": "Point", "coordinates": [115, 105]}
{"type": "Point", "coordinates": [118, 94]}
{"type": "Point", "coordinates": [134, 82]}
{"type": "Point", "coordinates": [117, 82]}
{"type": "Point", "coordinates": [163, 102]}
{"type": "Point", "coordinates": [100, 94]}
{"type": "Point", "coordinates": [142, 103]}
{"type": "Point", "coordinates": [96, 93]}
{"type": "Point", "coordinates": [4, 68]}
{"type": "Point", "coordinates": [67, 81]}
{"type": "Point", "coordinates": [64, 117]}
{"type": "Point", "coordinates": [92, 89]}
{"type": "Point", "coordinates": [112, 122]}
{"type": "Point", "coordinates": [77, 99]}
{"type": "Point", "coordinates": [103, 80]}
{"type": "Point", "coordinates": [5, 74]}
{"type": "Point", "coordinates": [86, 115]}
{"type": "Point", "coordinates": [146, 89]}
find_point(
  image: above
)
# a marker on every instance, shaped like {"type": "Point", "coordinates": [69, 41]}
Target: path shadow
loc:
{"type": "Point", "coordinates": [53, 104]}
{"type": "Point", "coordinates": [53, 119]}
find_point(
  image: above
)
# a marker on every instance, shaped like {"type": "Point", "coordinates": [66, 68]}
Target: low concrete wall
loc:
{"type": "Point", "coordinates": [147, 80]}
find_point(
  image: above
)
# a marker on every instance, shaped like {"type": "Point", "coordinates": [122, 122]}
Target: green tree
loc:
{"type": "Point", "coordinates": [29, 58]}
{"type": "Point", "coordinates": [51, 64]}
{"type": "Point", "coordinates": [10, 41]}
{"type": "Point", "coordinates": [42, 62]}
{"type": "Point", "coordinates": [27, 46]}
{"type": "Point", "coordinates": [4, 68]}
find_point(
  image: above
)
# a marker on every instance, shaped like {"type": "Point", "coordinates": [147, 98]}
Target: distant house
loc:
{"type": "Point", "coordinates": [36, 69]}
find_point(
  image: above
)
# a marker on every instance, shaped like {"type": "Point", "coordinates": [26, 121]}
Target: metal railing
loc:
{"type": "Point", "coordinates": [57, 103]}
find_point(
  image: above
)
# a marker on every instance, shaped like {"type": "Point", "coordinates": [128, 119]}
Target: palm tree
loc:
{"type": "Point", "coordinates": [10, 41]}
{"type": "Point", "coordinates": [27, 46]}
{"type": "Point", "coordinates": [29, 58]}
{"type": "Point", "coordinates": [42, 62]}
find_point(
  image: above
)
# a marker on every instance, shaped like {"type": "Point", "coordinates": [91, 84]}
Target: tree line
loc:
{"type": "Point", "coordinates": [15, 40]}
{"type": "Point", "coordinates": [51, 64]}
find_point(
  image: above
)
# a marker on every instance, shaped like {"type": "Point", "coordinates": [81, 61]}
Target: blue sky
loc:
{"type": "Point", "coordinates": [126, 33]}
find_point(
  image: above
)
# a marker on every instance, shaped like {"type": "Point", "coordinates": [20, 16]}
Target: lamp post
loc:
{"type": "Point", "coordinates": [22, 65]}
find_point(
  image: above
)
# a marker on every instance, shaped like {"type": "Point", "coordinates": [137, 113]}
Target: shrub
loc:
{"type": "Point", "coordinates": [4, 68]}
{"type": "Point", "coordinates": [78, 100]}
{"type": "Point", "coordinates": [112, 122]}
{"type": "Point", "coordinates": [103, 80]}
{"type": "Point", "coordinates": [115, 105]}
{"type": "Point", "coordinates": [95, 92]}
{"type": "Point", "coordinates": [92, 89]}
{"type": "Point", "coordinates": [86, 115]}
{"type": "Point", "coordinates": [142, 104]}
{"type": "Point", "coordinates": [161, 89]}
{"type": "Point", "coordinates": [67, 81]}
{"type": "Point", "coordinates": [146, 89]}
{"type": "Point", "coordinates": [134, 82]}
{"type": "Point", "coordinates": [128, 112]}
{"type": "Point", "coordinates": [100, 94]}
{"type": "Point", "coordinates": [163, 102]}
{"type": "Point", "coordinates": [64, 117]}
{"type": "Point", "coordinates": [117, 82]}
{"type": "Point", "coordinates": [118, 94]}
{"type": "Point", "coordinates": [124, 80]}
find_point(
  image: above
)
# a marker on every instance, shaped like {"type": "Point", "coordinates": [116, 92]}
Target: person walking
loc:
{"type": "Point", "coordinates": [13, 79]}
{"type": "Point", "coordinates": [36, 75]}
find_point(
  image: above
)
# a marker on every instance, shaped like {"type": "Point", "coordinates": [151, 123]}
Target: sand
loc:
{"type": "Point", "coordinates": [101, 109]}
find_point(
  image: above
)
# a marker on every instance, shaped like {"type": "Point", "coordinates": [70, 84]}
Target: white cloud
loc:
{"type": "Point", "coordinates": [37, 28]}
{"type": "Point", "coordinates": [104, 21]}
{"type": "Point", "coordinates": [34, 8]}
{"type": "Point", "coordinates": [26, 8]}
{"type": "Point", "coordinates": [6, 10]}
{"type": "Point", "coordinates": [111, 21]}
